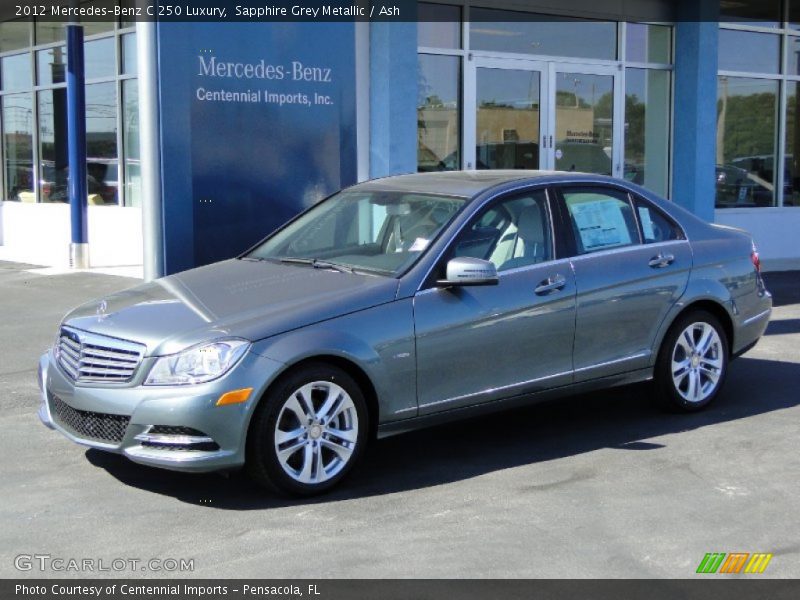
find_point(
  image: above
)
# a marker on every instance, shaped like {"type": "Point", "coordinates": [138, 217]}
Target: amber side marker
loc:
{"type": "Point", "coordinates": [234, 397]}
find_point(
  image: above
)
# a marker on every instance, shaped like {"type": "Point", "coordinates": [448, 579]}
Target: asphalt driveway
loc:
{"type": "Point", "coordinates": [601, 485]}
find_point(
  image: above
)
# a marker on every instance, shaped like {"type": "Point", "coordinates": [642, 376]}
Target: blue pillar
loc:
{"type": "Point", "coordinates": [696, 43]}
{"type": "Point", "coordinates": [76, 146]}
{"type": "Point", "coordinates": [393, 98]}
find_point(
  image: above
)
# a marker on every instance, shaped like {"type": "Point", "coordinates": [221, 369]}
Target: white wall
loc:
{"type": "Point", "coordinates": [39, 234]}
{"type": "Point", "coordinates": [775, 230]}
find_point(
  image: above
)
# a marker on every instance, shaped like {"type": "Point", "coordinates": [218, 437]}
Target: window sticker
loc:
{"type": "Point", "coordinates": [600, 223]}
{"type": "Point", "coordinates": [647, 223]}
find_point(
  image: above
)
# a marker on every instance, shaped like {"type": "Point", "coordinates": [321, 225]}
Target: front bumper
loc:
{"type": "Point", "coordinates": [145, 406]}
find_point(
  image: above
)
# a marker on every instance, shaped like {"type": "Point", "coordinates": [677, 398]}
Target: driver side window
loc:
{"type": "Point", "coordinates": [511, 233]}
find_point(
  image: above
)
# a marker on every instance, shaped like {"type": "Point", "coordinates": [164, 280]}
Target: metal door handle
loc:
{"type": "Point", "coordinates": [556, 282]}
{"type": "Point", "coordinates": [661, 261]}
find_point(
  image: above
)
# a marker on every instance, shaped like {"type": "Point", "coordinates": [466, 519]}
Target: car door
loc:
{"type": "Point", "coordinates": [478, 344]}
{"type": "Point", "coordinates": [631, 264]}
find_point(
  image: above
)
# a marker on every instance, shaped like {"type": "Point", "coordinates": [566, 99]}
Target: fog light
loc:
{"type": "Point", "coordinates": [234, 397]}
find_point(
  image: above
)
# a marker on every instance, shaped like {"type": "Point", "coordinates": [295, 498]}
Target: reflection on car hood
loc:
{"type": "Point", "coordinates": [242, 298]}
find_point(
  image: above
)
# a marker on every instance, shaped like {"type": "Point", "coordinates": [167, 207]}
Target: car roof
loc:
{"type": "Point", "coordinates": [457, 183]}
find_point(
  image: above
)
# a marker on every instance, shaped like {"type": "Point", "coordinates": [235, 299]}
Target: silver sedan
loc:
{"type": "Point", "coordinates": [401, 303]}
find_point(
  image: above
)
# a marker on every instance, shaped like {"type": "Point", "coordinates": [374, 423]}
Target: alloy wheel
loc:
{"type": "Point", "coordinates": [697, 362]}
{"type": "Point", "coordinates": [316, 432]}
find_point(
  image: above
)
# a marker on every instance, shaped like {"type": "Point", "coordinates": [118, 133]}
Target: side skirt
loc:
{"type": "Point", "coordinates": [457, 414]}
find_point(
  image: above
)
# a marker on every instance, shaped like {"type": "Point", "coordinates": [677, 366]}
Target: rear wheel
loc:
{"type": "Point", "coordinates": [692, 363]}
{"type": "Point", "coordinates": [308, 432]}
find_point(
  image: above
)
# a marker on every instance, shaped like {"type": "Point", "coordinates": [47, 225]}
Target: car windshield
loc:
{"type": "Point", "coordinates": [377, 232]}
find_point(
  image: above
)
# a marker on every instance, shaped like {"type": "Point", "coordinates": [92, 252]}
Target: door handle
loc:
{"type": "Point", "coordinates": [551, 284]}
{"type": "Point", "coordinates": [661, 261]}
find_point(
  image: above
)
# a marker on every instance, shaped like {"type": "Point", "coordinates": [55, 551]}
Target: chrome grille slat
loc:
{"type": "Point", "coordinates": [91, 361]}
{"type": "Point", "coordinates": [94, 352]}
{"type": "Point", "coordinates": [88, 356]}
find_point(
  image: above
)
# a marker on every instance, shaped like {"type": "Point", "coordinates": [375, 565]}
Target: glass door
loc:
{"type": "Point", "coordinates": [542, 115]}
{"type": "Point", "coordinates": [507, 123]}
{"type": "Point", "coordinates": [584, 113]}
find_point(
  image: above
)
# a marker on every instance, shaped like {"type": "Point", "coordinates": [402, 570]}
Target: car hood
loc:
{"type": "Point", "coordinates": [238, 298]}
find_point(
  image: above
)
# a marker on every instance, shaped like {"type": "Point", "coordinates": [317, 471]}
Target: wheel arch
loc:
{"type": "Point", "coordinates": [348, 366]}
{"type": "Point", "coordinates": [710, 305]}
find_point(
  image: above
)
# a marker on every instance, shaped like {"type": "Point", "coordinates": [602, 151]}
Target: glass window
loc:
{"type": "Point", "coordinates": [14, 35]}
{"type": "Point", "coordinates": [527, 33]}
{"type": "Point", "coordinates": [129, 59]}
{"type": "Point", "coordinates": [761, 13]}
{"type": "Point", "coordinates": [52, 65]}
{"type": "Point", "coordinates": [746, 141]}
{"type": "Point", "coordinates": [647, 128]}
{"type": "Point", "coordinates": [438, 25]}
{"type": "Point", "coordinates": [791, 184]}
{"type": "Point", "coordinates": [17, 115]}
{"type": "Point", "coordinates": [384, 232]}
{"type": "Point", "coordinates": [130, 139]}
{"type": "Point", "coordinates": [16, 72]}
{"type": "Point", "coordinates": [438, 113]}
{"type": "Point", "coordinates": [100, 56]}
{"type": "Point", "coordinates": [511, 234]}
{"type": "Point", "coordinates": [601, 219]}
{"type": "Point", "coordinates": [793, 52]}
{"type": "Point", "coordinates": [648, 43]}
{"type": "Point", "coordinates": [53, 150]}
{"type": "Point", "coordinates": [748, 51]}
{"type": "Point", "coordinates": [101, 143]}
{"type": "Point", "coordinates": [48, 32]}
{"type": "Point", "coordinates": [656, 227]}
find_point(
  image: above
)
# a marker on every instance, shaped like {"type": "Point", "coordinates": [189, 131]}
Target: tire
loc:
{"type": "Point", "coordinates": [308, 431]}
{"type": "Point", "coordinates": [689, 377]}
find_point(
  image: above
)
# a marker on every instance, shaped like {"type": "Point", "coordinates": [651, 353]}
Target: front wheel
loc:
{"type": "Point", "coordinates": [308, 432]}
{"type": "Point", "coordinates": [692, 363]}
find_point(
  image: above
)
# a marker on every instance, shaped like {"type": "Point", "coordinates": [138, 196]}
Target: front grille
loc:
{"type": "Point", "coordinates": [84, 423]}
{"type": "Point", "coordinates": [87, 357]}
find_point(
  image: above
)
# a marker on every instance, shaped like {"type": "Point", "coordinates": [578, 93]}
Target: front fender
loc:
{"type": "Point", "coordinates": [379, 341]}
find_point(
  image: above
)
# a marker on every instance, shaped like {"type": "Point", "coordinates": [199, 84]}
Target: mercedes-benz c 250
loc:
{"type": "Point", "coordinates": [400, 303]}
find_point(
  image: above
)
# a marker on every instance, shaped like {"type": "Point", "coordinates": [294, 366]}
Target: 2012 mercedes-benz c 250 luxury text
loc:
{"type": "Point", "coordinates": [404, 302]}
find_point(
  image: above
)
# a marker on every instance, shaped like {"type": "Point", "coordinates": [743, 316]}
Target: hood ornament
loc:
{"type": "Point", "coordinates": [101, 310]}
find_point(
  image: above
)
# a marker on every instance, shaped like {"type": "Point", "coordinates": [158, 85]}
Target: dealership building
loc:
{"type": "Point", "coordinates": [203, 136]}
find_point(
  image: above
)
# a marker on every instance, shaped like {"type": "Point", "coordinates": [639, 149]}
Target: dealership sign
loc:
{"type": "Point", "coordinates": [257, 123]}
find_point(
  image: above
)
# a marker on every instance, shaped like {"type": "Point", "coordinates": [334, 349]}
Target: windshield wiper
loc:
{"type": "Point", "coordinates": [316, 263]}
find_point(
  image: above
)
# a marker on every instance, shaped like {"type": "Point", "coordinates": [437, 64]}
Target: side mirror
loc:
{"type": "Point", "coordinates": [466, 270]}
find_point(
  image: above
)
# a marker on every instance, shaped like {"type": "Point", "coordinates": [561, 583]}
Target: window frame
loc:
{"type": "Point", "coordinates": [552, 214]}
{"type": "Point", "coordinates": [637, 198]}
{"type": "Point", "coordinates": [566, 218]}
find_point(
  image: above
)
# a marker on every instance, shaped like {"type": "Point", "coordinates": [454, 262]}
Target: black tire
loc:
{"type": "Point", "coordinates": [674, 397]}
{"type": "Point", "coordinates": [263, 464]}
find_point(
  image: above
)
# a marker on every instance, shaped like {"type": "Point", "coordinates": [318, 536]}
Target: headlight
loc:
{"type": "Point", "coordinates": [198, 364]}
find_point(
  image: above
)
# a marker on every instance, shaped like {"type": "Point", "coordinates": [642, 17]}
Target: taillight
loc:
{"type": "Point", "coordinates": [755, 258]}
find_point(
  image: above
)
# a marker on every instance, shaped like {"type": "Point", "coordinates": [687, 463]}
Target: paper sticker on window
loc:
{"type": "Point", "coordinates": [647, 223]}
{"type": "Point", "coordinates": [600, 223]}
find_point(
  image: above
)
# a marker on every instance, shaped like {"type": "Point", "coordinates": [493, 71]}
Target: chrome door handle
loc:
{"type": "Point", "coordinates": [556, 282]}
{"type": "Point", "coordinates": [661, 261]}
